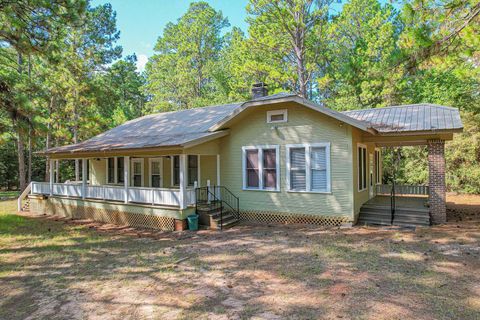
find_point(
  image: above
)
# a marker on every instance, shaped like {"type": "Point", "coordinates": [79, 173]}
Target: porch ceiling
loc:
{"type": "Point", "coordinates": [412, 139]}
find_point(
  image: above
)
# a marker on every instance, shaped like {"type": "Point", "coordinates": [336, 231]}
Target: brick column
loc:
{"type": "Point", "coordinates": [436, 179]}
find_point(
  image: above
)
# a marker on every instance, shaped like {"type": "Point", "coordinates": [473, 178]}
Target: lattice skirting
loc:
{"type": "Point", "coordinates": [285, 218]}
{"type": "Point", "coordinates": [103, 215]}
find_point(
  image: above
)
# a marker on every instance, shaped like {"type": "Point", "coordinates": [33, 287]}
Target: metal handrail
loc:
{"type": "Point", "coordinates": [224, 198]}
{"type": "Point", "coordinates": [232, 198]}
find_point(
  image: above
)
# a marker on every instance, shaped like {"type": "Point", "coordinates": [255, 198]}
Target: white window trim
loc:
{"type": "Point", "coordinates": [260, 149]}
{"type": "Point", "coordinates": [150, 162]}
{"type": "Point", "coordinates": [271, 113]}
{"type": "Point", "coordinates": [308, 171]}
{"type": "Point", "coordinates": [142, 172]}
{"type": "Point", "coordinates": [364, 174]}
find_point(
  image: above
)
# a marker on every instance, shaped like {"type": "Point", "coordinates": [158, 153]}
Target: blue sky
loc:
{"type": "Point", "coordinates": [141, 22]}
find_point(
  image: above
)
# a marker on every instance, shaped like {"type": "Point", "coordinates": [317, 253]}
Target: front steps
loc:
{"type": "Point", "coordinates": [371, 214]}
{"type": "Point", "coordinates": [209, 215]}
{"type": "Point", "coordinates": [26, 205]}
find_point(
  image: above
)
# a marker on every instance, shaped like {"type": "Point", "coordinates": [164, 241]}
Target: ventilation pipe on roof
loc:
{"type": "Point", "coordinates": [259, 90]}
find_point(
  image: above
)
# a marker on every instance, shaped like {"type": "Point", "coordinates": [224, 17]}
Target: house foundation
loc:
{"type": "Point", "coordinates": [120, 214]}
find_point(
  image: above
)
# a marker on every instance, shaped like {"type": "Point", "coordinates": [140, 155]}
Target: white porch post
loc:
{"type": "Point", "coordinates": [218, 170]}
{"type": "Point", "coordinates": [57, 171]}
{"type": "Point", "coordinates": [84, 178]}
{"type": "Point", "coordinates": [52, 175]}
{"type": "Point", "coordinates": [77, 170]}
{"type": "Point", "coordinates": [126, 175]}
{"type": "Point", "coordinates": [183, 181]}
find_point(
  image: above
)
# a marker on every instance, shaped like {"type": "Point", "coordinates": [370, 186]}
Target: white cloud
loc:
{"type": "Point", "coordinates": [141, 62]}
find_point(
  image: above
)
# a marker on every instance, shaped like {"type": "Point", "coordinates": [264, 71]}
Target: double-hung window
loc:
{"type": "Point", "coordinates": [115, 170]}
{"type": "Point", "coordinates": [192, 169]}
{"type": "Point", "coordinates": [308, 167]}
{"type": "Point", "coordinates": [362, 167]}
{"type": "Point", "coordinates": [156, 166]}
{"type": "Point", "coordinates": [261, 168]}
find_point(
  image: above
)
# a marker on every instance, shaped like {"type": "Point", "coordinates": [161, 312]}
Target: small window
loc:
{"type": "Point", "coordinates": [277, 116]}
{"type": "Point", "coordinates": [261, 167]}
{"type": "Point", "coordinates": [362, 167]}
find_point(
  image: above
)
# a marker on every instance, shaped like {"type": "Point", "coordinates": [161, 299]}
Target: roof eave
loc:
{"type": "Point", "coordinates": [294, 98]}
{"type": "Point", "coordinates": [420, 132]}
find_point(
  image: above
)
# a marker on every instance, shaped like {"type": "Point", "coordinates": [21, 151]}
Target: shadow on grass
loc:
{"type": "Point", "coordinates": [288, 271]}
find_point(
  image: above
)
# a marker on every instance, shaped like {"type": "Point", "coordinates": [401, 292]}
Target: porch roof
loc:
{"type": "Point", "coordinates": [423, 117]}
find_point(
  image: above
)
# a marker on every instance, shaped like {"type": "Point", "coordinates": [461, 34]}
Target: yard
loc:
{"type": "Point", "coordinates": [55, 269]}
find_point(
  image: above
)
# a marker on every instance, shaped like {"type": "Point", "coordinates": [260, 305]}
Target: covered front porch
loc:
{"type": "Point", "coordinates": [392, 203]}
{"type": "Point", "coordinates": [167, 180]}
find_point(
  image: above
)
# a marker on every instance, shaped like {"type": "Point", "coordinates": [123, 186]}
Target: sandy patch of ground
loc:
{"type": "Point", "coordinates": [55, 269]}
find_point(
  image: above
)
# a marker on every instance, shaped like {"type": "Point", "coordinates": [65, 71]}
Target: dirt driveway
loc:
{"type": "Point", "coordinates": [75, 270]}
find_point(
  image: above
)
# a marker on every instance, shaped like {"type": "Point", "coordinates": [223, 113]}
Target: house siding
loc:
{"type": "Point", "coordinates": [360, 197]}
{"type": "Point", "coordinates": [303, 126]}
{"type": "Point", "coordinates": [208, 170]}
{"type": "Point", "coordinates": [98, 171]}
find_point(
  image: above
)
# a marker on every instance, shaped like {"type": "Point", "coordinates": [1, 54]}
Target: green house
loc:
{"type": "Point", "coordinates": [273, 159]}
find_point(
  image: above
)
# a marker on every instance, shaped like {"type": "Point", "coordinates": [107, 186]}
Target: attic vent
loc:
{"type": "Point", "coordinates": [259, 90]}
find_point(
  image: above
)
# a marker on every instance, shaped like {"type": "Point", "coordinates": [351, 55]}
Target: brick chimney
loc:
{"type": "Point", "coordinates": [259, 90]}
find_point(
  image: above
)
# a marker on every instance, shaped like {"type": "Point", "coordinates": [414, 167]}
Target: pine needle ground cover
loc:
{"type": "Point", "coordinates": [56, 269]}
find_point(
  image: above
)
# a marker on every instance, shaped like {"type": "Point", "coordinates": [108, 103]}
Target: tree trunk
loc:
{"type": "Point", "coordinates": [30, 131]}
{"type": "Point", "coordinates": [21, 160]}
{"type": "Point", "coordinates": [75, 135]}
{"type": "Point", "coordinates": [49, 137]}
{"type": "Point", "coordinates": [30, 154]}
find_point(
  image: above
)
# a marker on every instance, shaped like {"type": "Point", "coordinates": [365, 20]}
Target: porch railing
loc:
{"type": "Point", "coordinates": [403, 189]}
{"type": "Point", "coordinates": [152, 196]}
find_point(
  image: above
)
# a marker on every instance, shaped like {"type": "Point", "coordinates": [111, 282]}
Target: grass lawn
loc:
{"type": "Point", "coordinates": [8, 194]}
{"type": "Point", "coordinates": [55, 269]}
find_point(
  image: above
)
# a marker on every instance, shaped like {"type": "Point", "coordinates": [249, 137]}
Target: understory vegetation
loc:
{"type": "Point", "coordinates": [63, 78]}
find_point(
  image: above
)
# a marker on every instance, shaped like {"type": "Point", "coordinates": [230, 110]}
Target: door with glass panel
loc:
{"type": "Point", "coordinates": [156, 173]}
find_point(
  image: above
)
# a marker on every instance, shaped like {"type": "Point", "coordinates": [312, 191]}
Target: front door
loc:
{"type": "Point", "coordinates": [371, 191]}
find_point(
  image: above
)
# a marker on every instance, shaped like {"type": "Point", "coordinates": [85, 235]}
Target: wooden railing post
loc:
{"type": "Point", "coordinates": [84, 178]}
{"type": "Point", "coordinates": [52, 176]}
{"type": "Point", "coordinates": [126, 175]}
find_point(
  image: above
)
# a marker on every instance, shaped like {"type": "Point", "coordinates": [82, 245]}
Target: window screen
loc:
{"type": "Point", "coordinates": [111, 170]}
{"type": "Point", "coordinates": [252, 169]}
{"type": "Point", "coordinates": [298, 177]}
{"type": "Point", "coordinates": [318, 164]}
{"type": "Point", "coordinates": [270, 168]}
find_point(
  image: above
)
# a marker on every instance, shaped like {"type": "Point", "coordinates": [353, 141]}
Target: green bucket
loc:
{"type": "Point", "coordinates": [192, 222]}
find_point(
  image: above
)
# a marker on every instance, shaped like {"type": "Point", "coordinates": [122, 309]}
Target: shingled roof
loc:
{"type": "Point", "coordinates": [409, 118]}
{"type": "Point", "coordinates": [187, 127]}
